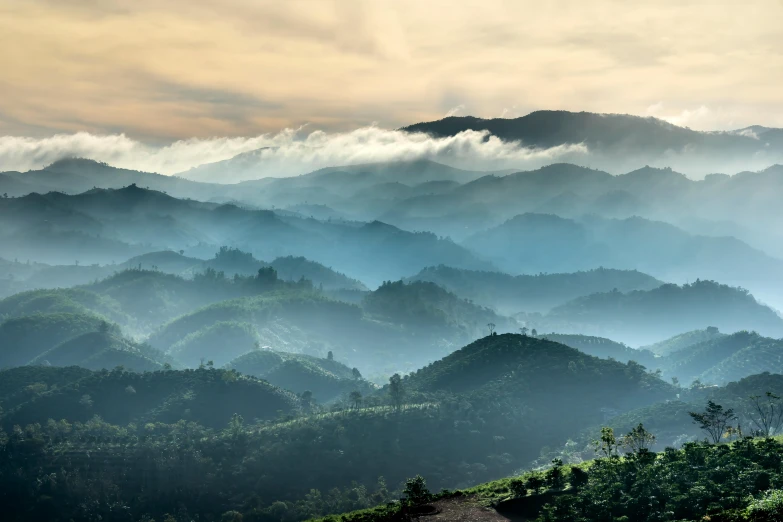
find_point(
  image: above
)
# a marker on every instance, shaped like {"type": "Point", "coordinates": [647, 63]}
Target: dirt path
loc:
{"type": "Point", "coordinates": [464, 509]}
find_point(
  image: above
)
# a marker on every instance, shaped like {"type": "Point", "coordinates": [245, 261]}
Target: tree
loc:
{"type": "Point", "coordinates": [638, 439]}
{"type": "Point", "coordinates": [523, 331]}
{"type": "Point", "coordinates": [103, 328]}
{"type": "Point", "coordinates": [396, 391]}
{"type": "Point", "coordinates": [518, 487]}
{"type": "Point", "coordinates": [235, 425]}
{"type": "Point", "coordinates": [767, 415]}
{"type": "Point", "coordinates": [491, 327]}
{"type": "Point", "coordinates": [356, 399]}
{"type": "Point", "coordinates": [607, 444]}
{"type": "Point", "coordinates": [356, 374]}
{"type": "Point", "coordinates": [267, 276]}
{"type": "Point", "coordinates": [534, 332]}
{"type": "Point", "coordinates": [307, 400]}
{"type": "Point", "coordinates": [555, 478]}
{"type": "Point", "coordinates": [536, 483]}
{"type": "Point", "coordinates": [714, 420]}
{"type": "Point", "coordinates": [330, 356]}
{"type": "Point", "coordinates": [416, 492]}
{"type": "Point", "coordinates": [578, 477]}
{"type": "Point", "coordinates": [676, 381]}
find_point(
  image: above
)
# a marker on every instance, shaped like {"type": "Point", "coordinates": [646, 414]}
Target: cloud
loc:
{"type": "Point", "coordinates": [454, 110]}
{"type": "Point", "coordinates": [289, 152]}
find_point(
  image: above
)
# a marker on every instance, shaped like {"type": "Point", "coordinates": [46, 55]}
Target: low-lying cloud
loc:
{"type": "Point", "coordinates": [289, 152]}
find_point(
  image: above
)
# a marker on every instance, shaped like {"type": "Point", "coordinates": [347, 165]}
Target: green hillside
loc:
{"type": "Point", "coordinates": [208, 397]}
{"type": "Point", "coordinates": [725, 358]}
{"type": "Point", "coordinates": [325, 378]}
{"type": "Point", "coordinates": [533, 293]}
{"type": "Point", "coordinates": [101, 350]}
{"type": "Point", "coordinates": [605, 348]}
{"type": "Point", "coordinates": [423, 304]}
{"type": "Point", "coordinates": [643, 316]}
{"type": "Point", "coordinates": [294, 268]}
{"type": "Point", "coordinates": [684, 340]}
{"type": "Point", "coordinates": [22, 339]}
{"type": "Point", "coordinates": [61, 300]}
{"type": "Point", "coordinates": [693, 483]}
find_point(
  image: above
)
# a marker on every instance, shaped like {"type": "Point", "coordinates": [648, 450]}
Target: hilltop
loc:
{"type": "Point", "coordinates": [641, 317]}
{"type": "Point", "coordinates": [532, 293]}
{"type": "Point", "coordinates": [162, 396]}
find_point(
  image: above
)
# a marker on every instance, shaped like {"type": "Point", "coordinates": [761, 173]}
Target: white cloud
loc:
{"type": "Point", "coordinates": [455, 110]}
{"type": "Point", "coordinates": [288, 152]}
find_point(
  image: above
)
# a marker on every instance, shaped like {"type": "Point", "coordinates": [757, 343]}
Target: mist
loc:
{"type": "Point", "coordinates": [298, 314]}
{"type": "Point", "coordinates": [287, 153]}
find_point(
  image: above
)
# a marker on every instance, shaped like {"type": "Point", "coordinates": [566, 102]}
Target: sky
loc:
{"type": "Point", "coordinates": [160, 71]}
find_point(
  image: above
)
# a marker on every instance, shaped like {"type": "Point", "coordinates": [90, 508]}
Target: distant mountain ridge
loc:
{"type": "Point", "coordinates": [549, 128]}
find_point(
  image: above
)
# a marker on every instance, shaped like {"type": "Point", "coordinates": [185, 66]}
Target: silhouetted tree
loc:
{"type": "Point", "coordinates": [767, 413]}
{"type": "Point", "coordinates": [416, 492]}
{"type": "Point", "coordinates": [714, 420]}
{"type": "Point", "coordinates": [638, 439]}
{"type": "Point", "coordinates": [396, 391]}
{"type": "Point", "coordinates": [491, 327]}
{"type": "Point", "coordinates": [356, 399]}
{"type": "Point", "coordinates": [356, 374]}
{"type": "Point", "coordinates": [330, 356]}
{"type": "Point", "coordinates": [607, 444]}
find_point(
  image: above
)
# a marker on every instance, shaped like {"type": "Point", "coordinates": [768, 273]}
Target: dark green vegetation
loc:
{"type": "Point", "coordinates": [326, 379]}
{"type": "Point", "coordinates": [737, 482]}
{"type": "Point", "coordinates": [486, 402]}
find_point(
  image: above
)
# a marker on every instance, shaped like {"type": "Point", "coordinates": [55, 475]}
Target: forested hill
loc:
{"type": "Point", "coordinates": [641, 317]}
{"type": "Point", "coordinates": [164, 396]}
{"type": "Point", "coordinates": [533, 293]}
{"type": "Point", "coordinates": [600, 132]}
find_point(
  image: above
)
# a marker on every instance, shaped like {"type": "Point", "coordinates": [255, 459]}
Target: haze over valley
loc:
{"type": "Point", "coordinates": [266, 262]}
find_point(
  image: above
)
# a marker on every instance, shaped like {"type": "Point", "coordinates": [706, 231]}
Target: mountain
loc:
{"type": "Point", "coordinates": [292, 268]}
{"type": "Point", "coordinates": [683, 341]}
{"type": "Point", "coordinates": [22, 339]}
{"type": "Point", "coordinates": [604, 348]}
{"type": "Point", "coordinates": [532, 293]}
{"type": "Point", "coordinates": [101, 226]}
{"type": "Point", "coordinates": [724, 359]}
{"type": "Point", "coordinates": [397, 326]}
{"type": "Point", "coordinates": [616, 138]}
{"type": "Point", "coordinates": [77, 175]}
{"type": "Point", "coordinates": [101, 350]}
{"type": "Point", "coordinates": [425, 305]}
{"type": "Point", "coordinates": [325, 378]}
{"type": "Point", "coordinates": [251, 166]}
{"type": "Point", "coordinates": [640, 317]}
{"type": "Point", "coordinates": [531, 243]}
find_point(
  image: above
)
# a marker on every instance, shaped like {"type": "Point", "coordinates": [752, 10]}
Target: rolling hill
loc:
{"type": "Point", "coordinates": [532, 293]}
{"type": "Point", "coordinates": [640, 317]}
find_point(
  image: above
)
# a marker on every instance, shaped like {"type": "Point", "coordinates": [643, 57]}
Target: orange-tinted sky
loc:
{"type": "Point", "coordinates": [160, 70]}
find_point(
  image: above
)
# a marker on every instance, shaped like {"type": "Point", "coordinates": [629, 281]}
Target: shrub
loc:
{"type": "Point", "coordinates": [416, 491]}
{"type": "Point", "coordinates": [768, 508]}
